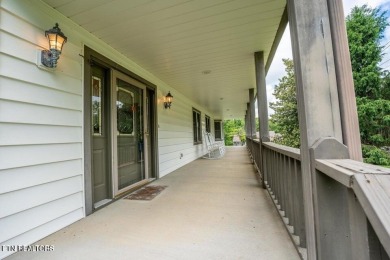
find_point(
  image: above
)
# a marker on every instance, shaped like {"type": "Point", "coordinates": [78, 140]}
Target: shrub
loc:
{"type": "Point", "coordinates": [374, 155]}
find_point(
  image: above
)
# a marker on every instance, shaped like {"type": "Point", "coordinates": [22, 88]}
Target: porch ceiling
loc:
{"type": "Point", "coordinates": [180, 40]}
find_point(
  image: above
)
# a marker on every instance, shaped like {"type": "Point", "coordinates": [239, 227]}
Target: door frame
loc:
{"type": "Point", "coordinates": [92, 57]}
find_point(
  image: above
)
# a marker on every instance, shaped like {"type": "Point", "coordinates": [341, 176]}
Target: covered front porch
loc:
{"type": "Point", "coordinates": [62, 152]}
{"type": "Point", "coordinates": [211, 209]}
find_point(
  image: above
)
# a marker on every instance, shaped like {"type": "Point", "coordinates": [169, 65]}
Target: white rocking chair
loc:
{"type": "Point", "coordinates": [216, 149]}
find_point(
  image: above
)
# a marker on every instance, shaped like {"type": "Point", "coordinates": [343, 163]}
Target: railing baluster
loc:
{"type": "Point", "coordinates": [293, 187]}
{"type": "Point", "coordinates": [273, 187]}
{"type": "Point", "coordinates": [277, 170]}
{"type": "Point", "coordinates": [283, 182]}
{"type": "Point", "coordinates": [301, 221]}
{"type": "Point", "coordinates": [271, 170]}
{"type": "Point", "coordinates": [289, 192]}
{"type": "Point", "coordinates": [272, 164]}
{"type": "Point", "coordinates": [266, 165]}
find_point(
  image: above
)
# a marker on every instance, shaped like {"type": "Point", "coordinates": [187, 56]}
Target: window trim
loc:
{"type": "Point", "coordinates": [198, 138]}
{"type": "Point", "coordinates": [221, 130]}
{"type": "Point", "coordinates": [207, 125]}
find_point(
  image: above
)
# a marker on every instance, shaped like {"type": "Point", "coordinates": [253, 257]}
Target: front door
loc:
{"type": "Point", "coordinates": [119, 114]}
{"type": "Point", "coordinates": [129, 132]}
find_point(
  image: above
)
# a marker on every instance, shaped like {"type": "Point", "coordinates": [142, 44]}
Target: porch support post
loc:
{"type": "Point", "coordinates": [246, 123]}
{"type": "Point", "coordinates": [249, 129]}
{"type": "Point", "coordinates": [262, 104]}
{"type": "Point", "coordinates": [350, 125]}
{"type": "Point", "coordinates": [346, 90]}
{"type": "Point", "coordinates": [248, 119]}
{"type": "Point", "coordinates": [319, 117]}
{"type": "Point", "coordinates": [252, 113]}
{"type": "Point", "coordinates": [262, 108]}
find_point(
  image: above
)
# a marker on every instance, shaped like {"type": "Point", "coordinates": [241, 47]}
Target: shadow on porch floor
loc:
{"type": "Point", "coordinates": [211, 209]}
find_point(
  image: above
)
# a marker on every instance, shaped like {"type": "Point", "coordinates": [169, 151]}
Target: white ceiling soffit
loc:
{"type": "Point", "coordinates": [202, 48]}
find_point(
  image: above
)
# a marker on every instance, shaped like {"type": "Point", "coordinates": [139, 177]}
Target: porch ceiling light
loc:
{"type": "Point", "coordinates": [56, 42]}
{"type": "Point", "coordinates": [168, 100]}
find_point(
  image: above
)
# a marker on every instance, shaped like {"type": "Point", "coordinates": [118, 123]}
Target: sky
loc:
{"type": "Point", "coordinates": [276, 70]}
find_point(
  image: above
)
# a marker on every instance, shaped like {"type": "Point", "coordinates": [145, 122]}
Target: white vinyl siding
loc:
{"type": "Point", "coordinates": [41, 123]}
{"type": "Point", "coordinates": [176, 134]}
{"type": "Point", "coordinates": [41, 172]}
{"type": "Point", "coordinates": [25, 177]}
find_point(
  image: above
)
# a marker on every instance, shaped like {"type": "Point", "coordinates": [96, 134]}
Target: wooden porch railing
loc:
{"type": "Point", "coordinates": [364, 188]}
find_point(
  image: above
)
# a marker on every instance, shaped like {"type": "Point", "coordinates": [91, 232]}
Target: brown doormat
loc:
{"type": "Point", "coordinates": [146, 193]}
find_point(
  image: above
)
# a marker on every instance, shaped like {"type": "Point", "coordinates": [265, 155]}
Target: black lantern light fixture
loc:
{"type": "Point", "coordinates": [56, 42]}
{"type": "Point", "coordinates": [168, 100]}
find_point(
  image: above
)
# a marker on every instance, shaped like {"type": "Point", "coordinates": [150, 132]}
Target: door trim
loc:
{"type": "Point", "coordinates": [92, 57]}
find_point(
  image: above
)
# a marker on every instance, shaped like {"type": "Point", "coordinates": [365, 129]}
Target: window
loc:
{"type": "Point", "coordinates": [218, 129]}
{"type": "Point", "coordinates": [96, 105]}
{"type": "Point", "coordinates": [197, 126]}
{"type": "Point", "coordinates": [208, 126]}
{"type": "Point", "coordinates": [125, 111]}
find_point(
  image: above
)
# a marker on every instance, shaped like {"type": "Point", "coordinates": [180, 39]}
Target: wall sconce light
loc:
{"type": "Point", "coordinates": [168, 100]}
{"type": "Point", "coordinates": [56, 41]}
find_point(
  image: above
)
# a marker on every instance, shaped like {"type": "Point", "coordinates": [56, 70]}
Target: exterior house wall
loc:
{"type": "Point", "coordinates": [176, 134]}
{"type": "Point", "coordinates": [41, 123]}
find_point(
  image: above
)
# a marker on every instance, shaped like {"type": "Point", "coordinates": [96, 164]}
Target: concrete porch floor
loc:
{"type": "Point", "coordinates": [211, 209]}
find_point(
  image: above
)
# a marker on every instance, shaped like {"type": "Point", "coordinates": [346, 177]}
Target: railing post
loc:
{"type": "Point", "coordinates": [331, 204]}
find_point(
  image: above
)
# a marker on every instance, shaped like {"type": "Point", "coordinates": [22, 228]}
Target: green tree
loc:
{"type": "Point", "coordinates": [233, 127]}
{"type": "Point", "coordinates": [374, 155]}
{"type": "Point", "coordinates": [272, 126]}
{"type": "Point", "coordinates": [374, 121]}
{"type": "Point", "coordinates": [365, 29]}
{"type": "Point", "coordinates": [285, 118]}
{"type": "Point", "coordinates": [385, 85]}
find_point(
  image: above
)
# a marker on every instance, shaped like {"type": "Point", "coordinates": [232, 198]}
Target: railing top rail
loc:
{"type": "Point", "coordinates": [335, 170]}
{"type": "Point", "coordinates": [255, 140]}
{"type": "Point", "coordinates": [288, 151]}
{"type": "Point", "coordinates": [371, 185]}
{"type": "Point", "coordinates": [343, 170]}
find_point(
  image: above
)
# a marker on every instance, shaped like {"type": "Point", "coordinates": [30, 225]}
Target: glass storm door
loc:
{"type": "Point", "coordinates": [129, 138]}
